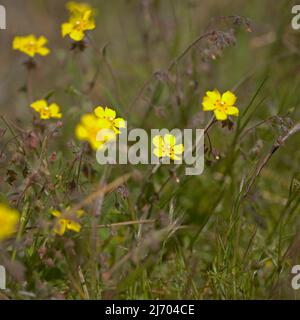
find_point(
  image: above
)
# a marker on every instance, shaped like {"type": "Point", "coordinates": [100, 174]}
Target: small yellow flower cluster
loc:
{"type": "Point", "coordinates": [222, 106]}
{"type": "Point", "coordinates": [99, 127]}
{"type": "Point", "coordinates": [65, 223]}
{"type": "Point", "coordinates": [81, 19]}
{"type": "Point", "coordinates": [46, 111]}
{"type": "Point", "coordinates": [9, 219]}
{"type": "Point", "coordinates": [31, 45]}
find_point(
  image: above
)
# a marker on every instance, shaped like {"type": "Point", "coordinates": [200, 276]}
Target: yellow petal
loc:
{"type": "Point", "coordinates": [55, 111]}
{"type": "Point", "coordinates": [104, 124]}
{"type": "Point", "coordinates": [214, 95]}
{"type": "Point", "coordinates": [110, 113]}
{"type": "Point", "coordinates": [89, 120]}
{"type": "Point", "coordinates": [66, 28]}
{"type": "Point", "coordinates": [99, 112]}
{"type": "Point", "coordinates": [119, 123]}
{"type": "Point", "coordinates": [174, 157]}
{"type": "Point", "coordinates": [178, 149]}
{"type": "Point", "coordinates": [42, 41]}
{"type": "Point", "coordinates": [81, 132]}
{"type": "Point", "coordinates": [220, 115]}
{"type": "Point", "coordinates": [31, 38]}
{"type": "Point", "coordinates": [158, 152]}
{"type": "Point", "coordinates": [56, 213]}
{"type": "Point", "coordinates": [72, 225]}
{"type": "Point", "coordinates": [169, 139]}
{"type": "Point", "coordinates": [158, 141]}
{"type": "Point", "coordinates": [57, 116]}
{"type": "Point", "coordinates": [208, 104]}
{"type": "Point", "coordinates": [232, 111]}
{"type": "Point", "coordinates": [90, 25]}
{"type": "Point", "coordinates": [95, 145]}
{"type": "Point", "coordinates": [43, 51]}
{"type": "Point", "coordinates": [30, 53]}
{"type": "Point", "coordinates": [229, 98]}
{"type": "Point", "coordinates": [39, 105]}
{"type": "Point", "coordinates": [87, 15]}
{"type": "Point", "coordinates": [60, 227]}
{"type": "Point", "coordinates": [9, 219]}
{"type": "Point", "coordinates": [73, 6]}
{"type": "Point", "coordinates": [77, 35]}
{"type": "Point", "coordinates": [17, 43]}
{"type": "Point", "coordinates": [104, 135]}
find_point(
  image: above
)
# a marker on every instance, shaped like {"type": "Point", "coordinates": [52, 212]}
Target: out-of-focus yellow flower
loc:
{"type": "Point", "coordinates": [78, 23]}
{"type": "Point", "coordinates": [9, 219]}
{"type": "Point", "coordinates": [221, 105]}
{"type": "Point", "coordinates": [31, 45]}
{"type": "Point", "coordinates": [64, 223]}
{"type": "Point", "coordinates": [166, 147]}
{"type": "Point", "coordinates": [75, 7]}
{"type": "Point", "coordinates": [46, 111]}
{"type": "Point", "coordinates": [93, 130]}
{"type": "Point", "coordinates": [108, 119]}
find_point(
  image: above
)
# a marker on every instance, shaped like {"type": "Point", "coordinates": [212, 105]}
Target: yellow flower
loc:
{"type": "Point", "coordinates": [67, 222]}
{"type": "Point", "coordinates": [222, 105]}
{"type": "Point", "coordinates": [166, 147]}
{"type": "Point", "coordinates": [75, 7]}
{"type": "Point", "coordinates": [78, 23]}
{"type": "Point", "coordinates": [108, 119]}
{"type": "Point", "coordinates": [93, 130]}
{"type": "Point", "coordinates": [9, 219]}
{"type": "Point", "coordinates": [46, 111]}
{"type": "Point", "coordinates": [31, 45]}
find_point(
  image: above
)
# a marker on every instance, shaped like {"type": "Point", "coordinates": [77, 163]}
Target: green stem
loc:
{"type": "Point", "coordinates": [23, 221]}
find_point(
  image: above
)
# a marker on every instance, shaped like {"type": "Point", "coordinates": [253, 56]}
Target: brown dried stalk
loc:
{"type": "Point", "coordinates": [98, 193]}
{"type": "Point", "coordinates": [261, 164]}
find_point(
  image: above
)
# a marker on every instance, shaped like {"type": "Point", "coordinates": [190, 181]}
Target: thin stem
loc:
{"type": "Point", "coordinates": [23, 221]}
{"type": "Point", "coordinates": [188, 48]}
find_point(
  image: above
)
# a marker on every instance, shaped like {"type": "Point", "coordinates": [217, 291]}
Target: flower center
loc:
{"type": "Point", "coordinates": [79, 25]}
{"type": "Point", "coordinates": [31, 46]}
{"type": "Point", "coordinates": [170, 149]}
{"type": "Point", "coordinates": [221, 105]}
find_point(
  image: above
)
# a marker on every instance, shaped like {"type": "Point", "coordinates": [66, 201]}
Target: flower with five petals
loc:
{"type": "Point", "coordinates": [67, 222]}
{"type": "Point", "coordinates": [31, 45]}
{"type": "Point", "coordinates": [46, 111]}
{"type": "Point", "coordinates": [78, 23]}
{"type": "Point", "coordinates": [166, 147]}
{"type": "Point", "coordinates": [222, 105]}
